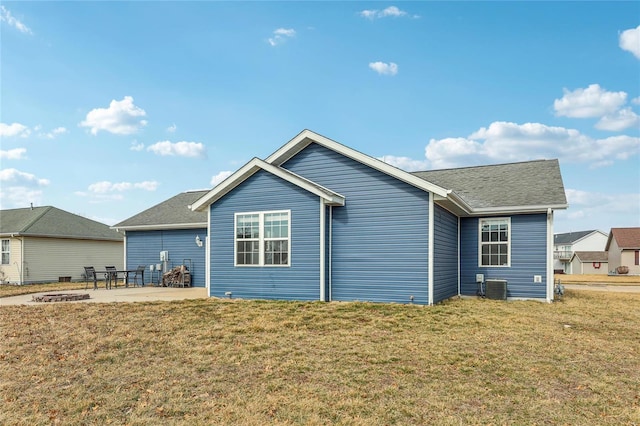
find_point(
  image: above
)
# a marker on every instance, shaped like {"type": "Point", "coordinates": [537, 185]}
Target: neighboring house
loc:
{"type": "Point", "coordinates": [45, 244]}
{"type": "Point", "coordinates": [167, 227]}
{"type": "Point", "coordinates": [590, 262]}
{"type": "Point", "coordinates": [623, 246]}
{"type": "Point", "coordinates": [318, 220]}
{"type": "Point", "coordinates": [564, 246]}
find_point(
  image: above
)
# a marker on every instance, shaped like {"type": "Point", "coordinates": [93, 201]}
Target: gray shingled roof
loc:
{"type": "Point", "coordinates": [530, 183]}
{"type": "Point", "coordinates": [571, 237]}
{"type": "Point", "coordinates": [50, 221]}
{"type": "Point", "coordinates": [173, 213]}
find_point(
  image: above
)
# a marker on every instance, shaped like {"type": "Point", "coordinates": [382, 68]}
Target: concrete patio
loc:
{"type": "Point", "coordinates": [121, 294]}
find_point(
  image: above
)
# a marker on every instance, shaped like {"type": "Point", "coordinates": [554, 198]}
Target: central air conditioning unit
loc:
{"type": "Point", "coordinates": [496, 289]}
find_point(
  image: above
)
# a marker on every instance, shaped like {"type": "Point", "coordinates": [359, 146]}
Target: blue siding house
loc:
{"type": "Point", "coordinates": [167, 227]}
{"type": "Point", "coordinates": [318, 220]}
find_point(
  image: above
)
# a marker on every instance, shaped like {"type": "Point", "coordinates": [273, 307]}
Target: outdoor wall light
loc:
{"type": "Point", "coordinates": [198, 241]}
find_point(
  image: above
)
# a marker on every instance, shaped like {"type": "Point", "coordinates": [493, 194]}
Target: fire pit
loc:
{"type": "Point", "coordinates": [61, 297]}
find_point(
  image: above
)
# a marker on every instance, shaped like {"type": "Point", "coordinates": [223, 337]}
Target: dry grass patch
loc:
{"type": "Point", "coordinates": [249, 362]}
{"type": "Point", "coordinates": [7, 290]}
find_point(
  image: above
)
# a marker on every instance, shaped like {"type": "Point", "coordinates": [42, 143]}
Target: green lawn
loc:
{"type": "Point", "coordinates": [210, 361]}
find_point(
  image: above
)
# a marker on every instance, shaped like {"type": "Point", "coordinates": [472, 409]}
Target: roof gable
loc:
{"type": "Point", "coordinates": [52, 222]}
{"type": "Point", "coordinates": [626, 238]}
{"type": "Point", "coordinates": [306, 137]}
{"type": "Point", "coordinates": [251, 168]}
{"type": "Point", "coordinates": [173, 213]}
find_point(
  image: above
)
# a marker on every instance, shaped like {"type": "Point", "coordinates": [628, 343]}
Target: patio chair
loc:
{"type": "Point", "coordinates": [90, 274]}
{"type": "Point", "coordinates": [139, 273]}
{"type": "Point", "coordinates": [112, 274]}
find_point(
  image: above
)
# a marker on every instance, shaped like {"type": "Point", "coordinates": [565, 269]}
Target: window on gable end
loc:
{"type": "Point", "coordinates": [494, 242]}
{"type": "Point", "coordinates": [262, 238]}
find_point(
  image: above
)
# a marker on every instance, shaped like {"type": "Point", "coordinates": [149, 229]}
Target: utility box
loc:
{"type": "Point", "coordinates": [496, 289]}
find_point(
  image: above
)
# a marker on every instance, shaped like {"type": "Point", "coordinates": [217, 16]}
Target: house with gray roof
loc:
{"type": "Point", "coordinates": [317, 220]}
{"type": "Point", "coordinates": [566, 244]}
{"type": "Point", "coordinates": [171, 228]}
{"type": "Point", "coordinates": [46, 244]}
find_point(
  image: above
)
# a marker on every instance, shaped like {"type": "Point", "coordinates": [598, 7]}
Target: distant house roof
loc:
{"type": "Point", "coordinates": [572, 237]}
{"type": "Point", "coordinates": [626, 238]}
{"type": "Point", "coordinates": [52, 222]}
{"type": "Point", "coordinates": [591, 256]}
{"type": "Point", "coordinates": [173, 213]}
{"type": "Point", "coordinates": [530, 184]}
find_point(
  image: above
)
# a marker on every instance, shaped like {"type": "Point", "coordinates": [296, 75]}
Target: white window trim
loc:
{"type": "Point", "coordinates": [261, 239]}
{"type": "Point", "coordinates": [508, 220]}
{"type": "Point", "coordinates": [8, 251]}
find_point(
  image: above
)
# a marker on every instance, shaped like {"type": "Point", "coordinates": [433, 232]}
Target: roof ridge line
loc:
{"type": "Point", "coordinates": [36, 218]}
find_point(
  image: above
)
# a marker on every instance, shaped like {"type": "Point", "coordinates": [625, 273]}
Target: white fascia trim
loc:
{"type": "Point", "coordinates": [304, 138]}
{"type": "Point", "coordinates": [164, 226]}
{"type": "Point", "coordinates": [252, 167]}
{"type": "Point", "coordinates": [515, 209]}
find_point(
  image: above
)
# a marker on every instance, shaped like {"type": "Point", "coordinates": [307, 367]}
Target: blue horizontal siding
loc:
{"type": "Point", "coordinates": [144, 247]}
{"type": "Point", "coordinates": [445, 255]}
{"type": "Point", "coordinates": [380, 237]}
{"type": "Point", "coordinates": [528, 257]}
{"type": "Point", "coordinates": [265, 192]}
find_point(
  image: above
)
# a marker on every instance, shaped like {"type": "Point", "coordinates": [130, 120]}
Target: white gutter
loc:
{"type": "Point", "coordinates": [160, 227]}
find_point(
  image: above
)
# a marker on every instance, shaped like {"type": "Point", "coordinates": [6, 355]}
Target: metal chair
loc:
{"type": "Point", "coordinates": [90, 274]}
{"type": "Point", "coordinates": [112, 274]}
{"type": "Point", "coordinates": [139, 273]}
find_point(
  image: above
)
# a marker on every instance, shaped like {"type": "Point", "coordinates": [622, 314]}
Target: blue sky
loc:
{"type": "Point", "coordinates": [108, 108]}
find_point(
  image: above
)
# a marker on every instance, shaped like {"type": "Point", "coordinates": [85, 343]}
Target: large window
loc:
{"type": "Point", "coordinates": [495, 242]}
{"type": "Point", "coordinates": [262, 239]}
{"type": "Point", "coordinates": [6, 252]}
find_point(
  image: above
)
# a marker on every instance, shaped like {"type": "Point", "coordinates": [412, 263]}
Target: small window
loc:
{"type": "Point", "coordinates": [6, 252]}
{"type": "Point", "coordinates": [495, 242]}
{"type": "Point", "coordinates": [262, 239]}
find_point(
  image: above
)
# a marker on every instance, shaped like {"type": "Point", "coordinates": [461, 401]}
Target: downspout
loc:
{"type": "Point", "coordinates": [431, 229]}
{"type": "Point", "coordinates": [21, 272]}
{"type": "Point", "coordinates": [330, 249]}
{"type": "Point", "coordinates": [459, 288]}
{"type": "Point", "coordinates": [125, 248]}
{"type": "Point", "coordinates": [550, 278]}
{"type": "Point", "coordinates": [322, 249]}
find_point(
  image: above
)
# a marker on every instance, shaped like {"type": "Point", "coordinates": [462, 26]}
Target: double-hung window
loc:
{"type": "Point", "coordinates": [262, 238]}
{"type": "Point", "coordinates": [495, 242]}
{"type": "Point", "coordinates": [6, 252]}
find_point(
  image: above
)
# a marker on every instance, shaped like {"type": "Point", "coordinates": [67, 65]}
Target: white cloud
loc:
{"type": "Point", "coordinates": [509, 142]}
{"type": "Point", "coordinates": [405, 163]}
{"type": "Point", "coordinates": [14, 176]}
{"type": "Point", "coordinates": [383, 68]}
{"type": "Point", "coordinates": [107, 187]}
{"type": "Point", "coordinates": [172, 128]}
{"type": "Point", "coordinates": [121, 118]}
{"type": "Point", "coordinates": [135, 146]}
{"type": "Point", "coordinates": [179, 149]}
{"type": "Point", "coordinates": [14, 129]}
{"type": "Point", "coordinates": [596, 207]}
{"type": "Point", "coordinates": [5, 16]}
{"type": "Point", "coordinates": [590, 102]}
{"type": "Point", "coordinates": [13, 154]}
{"type": "Point", "coordinates": [220, 177]}
{"type": "Point", "coordinates": [281, 35]}
{"type": "Point", "coordinates": [620, 120]}
{"type": "Point", "coordinates": [391, 11]}
{"type": "Point", "coordinates": [55, 132]}
{"type": "Point", "coordinates": [630, 41]}
{"type": "Point", "coordinates": [636, 101]}
{"type": "Point", "coordinates": [18, 189]}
